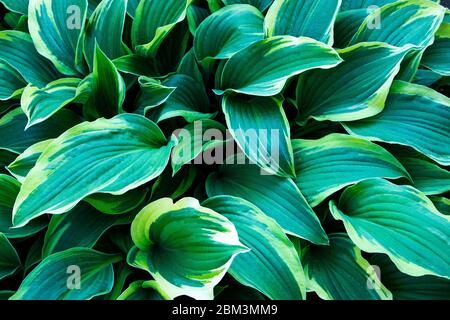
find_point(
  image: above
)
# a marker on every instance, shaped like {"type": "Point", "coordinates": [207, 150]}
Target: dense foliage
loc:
{"type": "Point", "coordinates": [217, 149]}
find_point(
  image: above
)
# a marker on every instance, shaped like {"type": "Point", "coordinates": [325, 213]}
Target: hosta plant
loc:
{"type": "Point", "coordinates": [224, 149]}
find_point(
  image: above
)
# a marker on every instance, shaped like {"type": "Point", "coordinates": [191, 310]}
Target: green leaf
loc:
{"type": "Point", "coordinates": [6, 294]}
{"type": "Point", "coordinates": [34, 255]}
{"type": "Point", "coordinates": [339, 272]}
{"type": "Point", "coordinates": [104, 29]}
{"type": "Point", "coordinates": [426, 77]}
{"type": "Point", "coordinates": [442, 204]}
{"type": "Point", "coordinates": [108, 89]}
{"type": "Point", "coordinates": [80, 227]}
{"type": "Point", "coordinates": [132, 7]}
{"type": "Point", "coordinates": [19, 6]}
{"type": "Point", "coordinates": [174, 186]}
{"type": "Point", "coordinates": [120, 204]}
{"type": "Point", "coordinates": [14, 21]}
{"type": "Point", "coordinates": [228, 31]}
{"type": "Point", "coordinates": [381, 217]}
{"type": "Point", "coordinates": [404, 287]}
{"type": "Point", "coordinates": [166, 233]}
{"type": "Point", "coordinates": [346, 25]}
{"type": "Point", "coordinates": [356, 89]}
{"type": "Point", "coordinates": [261, 129]}
{"type": "Point", "coordinates": [105, 156]}
{"type": "Point", "coordinates": [121, 273]}
{"type": "Point", "coordinates": [58, 272]}
{"type": "Point", "coordinates": [437, 56]}
{"type": "Point", "coordinates": [272, 265]}
{"type": "Point", "coordinates": [153, 21]}
{"type": "Point", "coordinates": [143, 290]}
{"type": "Point", "coordinates": [20, 167]}
{"type": "Point", "coordinates": [363, 4]}
{"type": "Point", "coordinates": [138, 65]}
{"type": "Point", "coordinates": [189, 100]}
{"type": "Point", "coordinates": [9, 189]}
{"type": "Point", "coordinates": [16, 138]}
{"type": "Point", "coordinates": [9, 260]}
{"type": "Point", "coordinates": [414, 116]}
{"type": "Point", "coordinates": [56, 28]}
{"type": "Point", "coordinates": [11, 82]}
{"type": "Point", "coordinates": [327, 165]}
{"type": "Point", "coordinates": [281, 57]}
{"type": "Point", "coordinates": [192, 142]}
{"type": "Point", "coordinates": [189, 66]}
{"type": "Point", "coordinates": [195, 15]}
{"type": "Point", "coordinates": [403, 23]}
{"type": "Point", "coordinates": [277, 197]}
{"type": "Point", "coordinates": [262, 5]}
{"type": "Point", "coordinates": [426, 175]}
{"type": "Point", "coordinates": [307, 18]}
{"type": "Point", "coordinates": [152, 94]}
{"type": "Point", "coordinates": [17, 50]}
{"type": "Point", "coordinates": [41, 104]}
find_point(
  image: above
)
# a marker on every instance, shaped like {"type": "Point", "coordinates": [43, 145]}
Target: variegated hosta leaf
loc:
{"type": "Point", "coordinates": [189, 100]}
{"type": "Point", "coordinates": [9, 259]}
{"type": "Point", "coordinates": [261, 129]}
{"type": "Point", "coordinates": [153, 21]}
{"type": "Point", "coordinates": [277, 197]}
{"type": "Point", "coordinates": [105, 203]}
{"type": "Point", "coordinates": [93, 269]}
{"type": "Point", "coordinates": [437, 56]}
{"type": "Point", "coordinates": [167, 233]}
{"type": "Point", "coordinates": [404, 287]}
{"type": "Point", "coordinates": [80, 227]}
{"type": "Point", "coordinates": [414, 116]}
{"type": "Point", "coordinates": [381, 217]}
{"type": "Point", "coordinates": [41, 104]}
{"type": "Point", "coordinates": [56, 34]}
{"type": "Point", "coordinates": [107, 89]}
{"type": "Point", "coordinates": [329, 164]}
{"type": "Point", "coordinates": [144, 290]}
{"type": "Point", "coordinates": [19, 6]}
{"type": "Point", "coordinates": [153, 93]}
{"type": "Point", "coordinates": [272, 265]}
{"type": "Point", "coordinates": [20, 167]}
{"type": "Point", "coordinates": [262, 5]}
{"type": "Point", "coordinates": [306, 18]}
{"type": "Point", "coordinates": [11, 82]}
{"type": "Point", "coordinates": [105, 156]}
{"type": "Point", "coordinates": [355, 89]}
{"type": "Point", "coordinates": [280, 58]}
{"type": "Point", "coordinates": [339, 272]}
{"type": "Point", "coordinates": [228, 31]}
{"type": "Point", "coordinates": [9, 189]}
{"type": "Point", "coordinates": [192, 142]}
{"type": "Point", "coordinates": [16, 138]}
{"type": "Point", "coordinates": [402, 23]}
{"type": "Point", "coordinates": [104, 29]}
{"type": "Point", "coordinates": [17, 50]}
